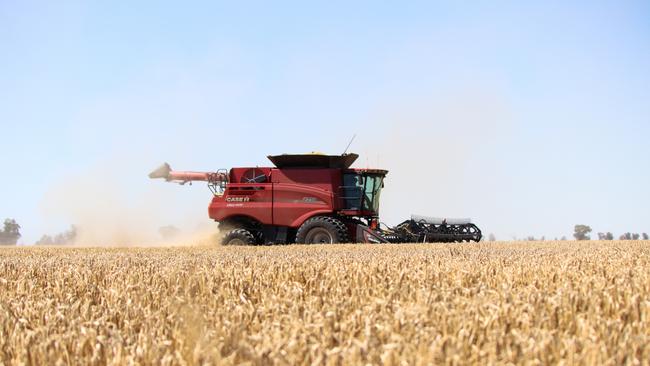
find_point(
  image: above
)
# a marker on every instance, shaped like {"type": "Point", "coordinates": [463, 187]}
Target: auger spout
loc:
{"type": "Point", "coordinates": [165, 172]}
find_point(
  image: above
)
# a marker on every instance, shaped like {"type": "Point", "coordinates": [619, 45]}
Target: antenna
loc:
{"type": "Point", "coordinates": [349, 143]}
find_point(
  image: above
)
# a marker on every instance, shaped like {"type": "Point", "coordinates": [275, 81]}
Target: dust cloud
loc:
{"type": "Point", "coordinates": [110, 212]}
{"type": "Point", "coordinates": [440, 156]}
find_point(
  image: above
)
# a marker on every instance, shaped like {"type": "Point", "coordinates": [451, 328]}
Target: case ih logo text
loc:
{"type": "Point", "coordinates": [237, 199]}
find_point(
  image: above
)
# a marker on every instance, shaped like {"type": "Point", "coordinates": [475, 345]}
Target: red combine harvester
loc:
{"type": "Point", "coordinates": [310, 198]}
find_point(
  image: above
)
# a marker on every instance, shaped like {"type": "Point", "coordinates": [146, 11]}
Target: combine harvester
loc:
{"type": "Point", "coordinates": [309, 199]}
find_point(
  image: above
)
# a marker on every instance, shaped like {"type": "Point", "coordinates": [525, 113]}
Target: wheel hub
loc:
{"type": "Point", "coordinates": [236, 241]}
{"type": "Point", "coordinates": [319, 236]}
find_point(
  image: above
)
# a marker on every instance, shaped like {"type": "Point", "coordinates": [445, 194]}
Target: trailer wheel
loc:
{"type": "Point", "coordinates": [239, 237]}
{"type": "Point", "coordinates": [322, 230]}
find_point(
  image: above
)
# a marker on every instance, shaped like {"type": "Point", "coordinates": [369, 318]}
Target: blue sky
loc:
{"type": "Point", "coordinates": [529, 118]}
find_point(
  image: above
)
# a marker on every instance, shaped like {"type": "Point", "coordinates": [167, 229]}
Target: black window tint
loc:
{"type": "Point", "coordinates": [352, 191]}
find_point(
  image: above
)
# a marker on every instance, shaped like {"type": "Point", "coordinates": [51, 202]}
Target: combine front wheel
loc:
{"type": "Point", "coordinates": [239, 237]}
{"type": "Point", "coordinates": [322, 230]}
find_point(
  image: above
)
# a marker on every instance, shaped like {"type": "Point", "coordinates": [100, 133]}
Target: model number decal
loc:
{"type": "Point", "coordinates": [237, 199]}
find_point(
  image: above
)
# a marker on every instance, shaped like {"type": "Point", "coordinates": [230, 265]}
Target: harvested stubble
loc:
{"type": "Point", "coordinates": [533, 303]}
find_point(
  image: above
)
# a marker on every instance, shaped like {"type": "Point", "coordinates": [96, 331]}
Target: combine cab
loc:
{"type": "Point", "coordinates": [310, 198]}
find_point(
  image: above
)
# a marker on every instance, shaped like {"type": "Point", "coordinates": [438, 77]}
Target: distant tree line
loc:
{"type": "Point", "coordinates": [534, 238]}
{"type": "Point", "coordinates": [581, 232]}
{"type": "Point", "coordinates": [10, 232]}
{"type": "Point", "coordinates": [631, 236]}
{"type": "Point", "coordinates": [605, 236]}
{"type": "Point", "coordinates": [64, 238]}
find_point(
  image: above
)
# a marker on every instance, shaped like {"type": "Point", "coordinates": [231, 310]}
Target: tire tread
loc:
{"type": "Point", "coordinates": [328, 222]}
{"type": "Point", "coordinates": [242, 234]}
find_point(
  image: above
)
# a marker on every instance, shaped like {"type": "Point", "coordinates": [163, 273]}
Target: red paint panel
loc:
{"type": "Point", "coordinates": [251, 200]}
{"type": "Point", "coordinates": [293, 203]}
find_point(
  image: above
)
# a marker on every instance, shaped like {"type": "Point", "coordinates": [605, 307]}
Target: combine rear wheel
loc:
{"type": "Point", "coordinates": [239, 237]}
{"type": "Point", "coordinates": [322, 230]}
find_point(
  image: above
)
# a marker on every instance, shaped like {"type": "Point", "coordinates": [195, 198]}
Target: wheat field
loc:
{"type": "Point", "coordinates": [415, 304]}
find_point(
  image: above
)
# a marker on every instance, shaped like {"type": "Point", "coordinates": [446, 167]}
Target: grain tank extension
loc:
{"type": "Point", "coordinates": [310, 198]}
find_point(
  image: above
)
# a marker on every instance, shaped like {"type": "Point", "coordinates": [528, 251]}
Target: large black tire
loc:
{"type": "Point", "coordinates": [239, 237]}
{"type": "Point", "coordinates": [322, 230]}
